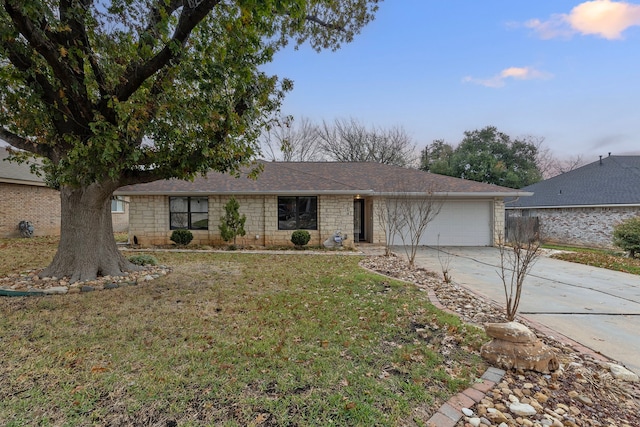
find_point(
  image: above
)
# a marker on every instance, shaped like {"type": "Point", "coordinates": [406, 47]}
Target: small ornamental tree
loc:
{"type": "Point", "coordinates": [232, 224]}
{"type": "Point", "coordinates": [517, 257]}
{"type": "Point", "coordinates": [626, 236]}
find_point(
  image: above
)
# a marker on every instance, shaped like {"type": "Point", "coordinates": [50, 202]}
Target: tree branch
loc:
{"type": "Point", "coordinates": [137, 72]}
{"type": "Point", "coordinates": [40, 40]}
{"type": "Point", "coordinates": [317, 20]}
{"type": "Point", "coordinates": [25, 144]}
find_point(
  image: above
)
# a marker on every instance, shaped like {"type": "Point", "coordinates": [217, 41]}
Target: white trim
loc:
{"type": "Point", "coordinates": [627, 205]}
{"type": "Point", "coordinates": [22, 182]}
{"type": "Point", "coordinates": [324, 193]}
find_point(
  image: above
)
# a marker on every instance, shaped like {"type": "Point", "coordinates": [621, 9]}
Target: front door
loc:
{"type": "Point", "coordinates": [358, 220]}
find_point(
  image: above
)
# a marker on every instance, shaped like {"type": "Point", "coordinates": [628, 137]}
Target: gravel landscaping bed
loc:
{"type": "Point", "coordinates": [584, 391]}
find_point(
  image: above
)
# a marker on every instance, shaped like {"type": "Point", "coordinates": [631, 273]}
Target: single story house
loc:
{"type": "Point", "coordinates": [25, 197]}
{"type": "Point", "coordinates": [582, 206]}
{"type": "Point", "coordinates": [321, 197]}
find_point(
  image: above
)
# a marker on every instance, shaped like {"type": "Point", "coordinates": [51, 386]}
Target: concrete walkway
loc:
{"type": "Point", "coordinates": [598, 308]}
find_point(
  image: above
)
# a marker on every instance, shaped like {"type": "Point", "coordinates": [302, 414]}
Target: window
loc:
{"type": "Point", "coordinates": [117, 204]}
{"type": "Point", "coordinates": [297, 213]}
{"type": "Point", "coordinates": [191, 213]}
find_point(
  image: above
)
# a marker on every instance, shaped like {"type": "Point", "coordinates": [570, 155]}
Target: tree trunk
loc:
{"type": "Point", "coordinates": [87, 247]}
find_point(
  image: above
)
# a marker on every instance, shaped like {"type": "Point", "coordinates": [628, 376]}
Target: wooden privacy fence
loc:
{"type": "Point", "coordinates": [522, 228]}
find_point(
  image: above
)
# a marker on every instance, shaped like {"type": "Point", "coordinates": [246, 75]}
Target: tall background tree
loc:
{"type": "Point", "coordinates": [348, 140]}
{"type": "Point", "coordinates": [486, 155]}
{"type": "Point", "coordinates": [122, 92]}
{"type": "Point", "coordinates": [292, 140]}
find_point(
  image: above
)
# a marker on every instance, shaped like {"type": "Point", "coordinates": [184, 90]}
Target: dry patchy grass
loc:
{"type": "Point", "coordinates": [234, 339]}
{"type": "Point", "coordinates": [602, 258]}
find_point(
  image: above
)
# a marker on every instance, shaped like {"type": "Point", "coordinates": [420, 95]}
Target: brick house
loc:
{"type": "Point", "coordinates": [582, 206]}
{"type": "Point", "coordinates": [25, 196]}
{"type": "Point", "coordinates": [321, 197]}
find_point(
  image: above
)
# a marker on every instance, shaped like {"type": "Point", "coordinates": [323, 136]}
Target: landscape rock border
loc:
{"type": "Point", "coordinates": [30, 284]}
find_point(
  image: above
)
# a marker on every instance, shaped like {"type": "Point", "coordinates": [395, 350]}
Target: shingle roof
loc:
{"type": "Point", "coordinates": [615, 180]}
{"type": "Point", "coordinates": [15, 172]}
{"type": "Point", "coordinates": [323, 177]}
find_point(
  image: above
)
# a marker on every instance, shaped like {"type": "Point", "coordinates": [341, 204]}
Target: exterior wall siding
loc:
{"type": "Point", "coordinates": [37, 204]}
{"type": "Point", "coordinates": [582, 226]}
{"type": "Point", "coordinates": [149, 221]}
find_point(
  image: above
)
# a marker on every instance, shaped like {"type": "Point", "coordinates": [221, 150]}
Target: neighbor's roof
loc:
{"type": "Point", "coordinates": [614, 180]}
{"type": "Point", "coordinates": [324, 178]}
{"type": "Point", "coordinates": [16, 173]}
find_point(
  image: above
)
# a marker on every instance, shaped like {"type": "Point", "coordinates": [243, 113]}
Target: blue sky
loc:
{"type": "Point", "coordinates": [566, 71]}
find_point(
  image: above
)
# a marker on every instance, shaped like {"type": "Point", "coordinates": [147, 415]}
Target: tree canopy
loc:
{"type": "Point", "coordinates": [118, 92]}
{"type": "Point", "coordinates": [485, 155]}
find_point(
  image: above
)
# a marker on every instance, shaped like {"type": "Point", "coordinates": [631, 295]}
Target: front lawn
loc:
{"type": "Point", "coordinates": [232, 339]}
{"type": "Point", "coordinates": [603, 258]}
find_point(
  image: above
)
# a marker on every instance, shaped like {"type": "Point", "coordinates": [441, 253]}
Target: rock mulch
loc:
{"type": "Point", "coordinates": [586, 390]}
{"type": "Point", "coordinates": [29, 283]}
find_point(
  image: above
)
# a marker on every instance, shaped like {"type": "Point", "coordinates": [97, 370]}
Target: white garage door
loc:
{"type": "Point", "coordinates": [459, 223]}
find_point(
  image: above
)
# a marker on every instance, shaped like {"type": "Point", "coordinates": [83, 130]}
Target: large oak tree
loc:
{"type": "Point", "coordinates": [117, 92]}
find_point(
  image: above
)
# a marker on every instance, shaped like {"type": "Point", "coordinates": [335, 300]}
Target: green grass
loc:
{"type": "Point", "coordinates": [234, 339]}
{"type": "Point", "coordinates": [603, 258]}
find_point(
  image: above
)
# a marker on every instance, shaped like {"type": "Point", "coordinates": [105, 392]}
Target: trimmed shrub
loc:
{"type": "Point", "coordinates": [626, 236]}
{"type": "Point", "coordinates": [143, 259]}
{"type": "Point", "coordinates": [300, 238]}
{"type": "Point", "coordinates": [181, 237]}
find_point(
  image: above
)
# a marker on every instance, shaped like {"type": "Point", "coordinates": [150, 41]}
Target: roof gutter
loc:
{"type": "Point", "coordinates": [467, 194]}
{"type": "Point", "coordinates": [247, 193]}
{"type": "Point", "coordinates": [22, 182]}
{"type": "Point", "coordinates": [614, 205]}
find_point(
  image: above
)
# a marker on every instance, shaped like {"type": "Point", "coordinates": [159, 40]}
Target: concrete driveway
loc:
{"type": "Point", "coordinates": [596, 307]}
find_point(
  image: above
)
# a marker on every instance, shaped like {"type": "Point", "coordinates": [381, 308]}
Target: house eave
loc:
{"type": "Point", "coordinates": [22, 182]}
{"type": "Point", "coordinates": [452, 194]}
{"type": "Point", "coordinates": [608, 205]}
{"type": "Point", "coordinates": [246, 193]}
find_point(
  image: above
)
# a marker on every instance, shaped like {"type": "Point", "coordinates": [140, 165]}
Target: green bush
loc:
{"type": "Point", "coordinates": [181, 237]}
{"type": "Point", "coordinates": [232, 223]}
{"type": "Point", "coordinates": [626, 236]}
{"type": "Point", "coordinates": [300, 238]}
{"type": "Point", "coordinates": [143, 259]}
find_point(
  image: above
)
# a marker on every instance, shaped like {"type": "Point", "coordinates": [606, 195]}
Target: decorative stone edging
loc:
{"type": "Point", "coordinates": [29, 284]}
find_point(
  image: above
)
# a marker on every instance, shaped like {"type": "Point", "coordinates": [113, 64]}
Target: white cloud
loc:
{"type": "Point", "coordinates": [604, 18]}
{"type": "Point", "coordinates": [517, 73]}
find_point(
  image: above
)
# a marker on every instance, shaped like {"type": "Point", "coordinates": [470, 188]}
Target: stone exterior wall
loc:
{"type": "Point", "coordinates": [581, 226]}
{"type": "Point", "coordinates": [120, 220]}
{"type": "Point", "coordinates": [378, 236]}
{"type": "Point", "coordinates": [149, 221]}
{"type": "Point", "coordinates": [498, 221]}
{"type": "Point", "coordinates": [37, 204]}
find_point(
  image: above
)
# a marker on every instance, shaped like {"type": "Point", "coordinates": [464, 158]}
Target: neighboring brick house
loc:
{"type": "Point", "coordinates": [582, 206]}
{"type": "Point", "coordinates": [24, 196]}
{"type": "Point", "coordinates": [321, 197]}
